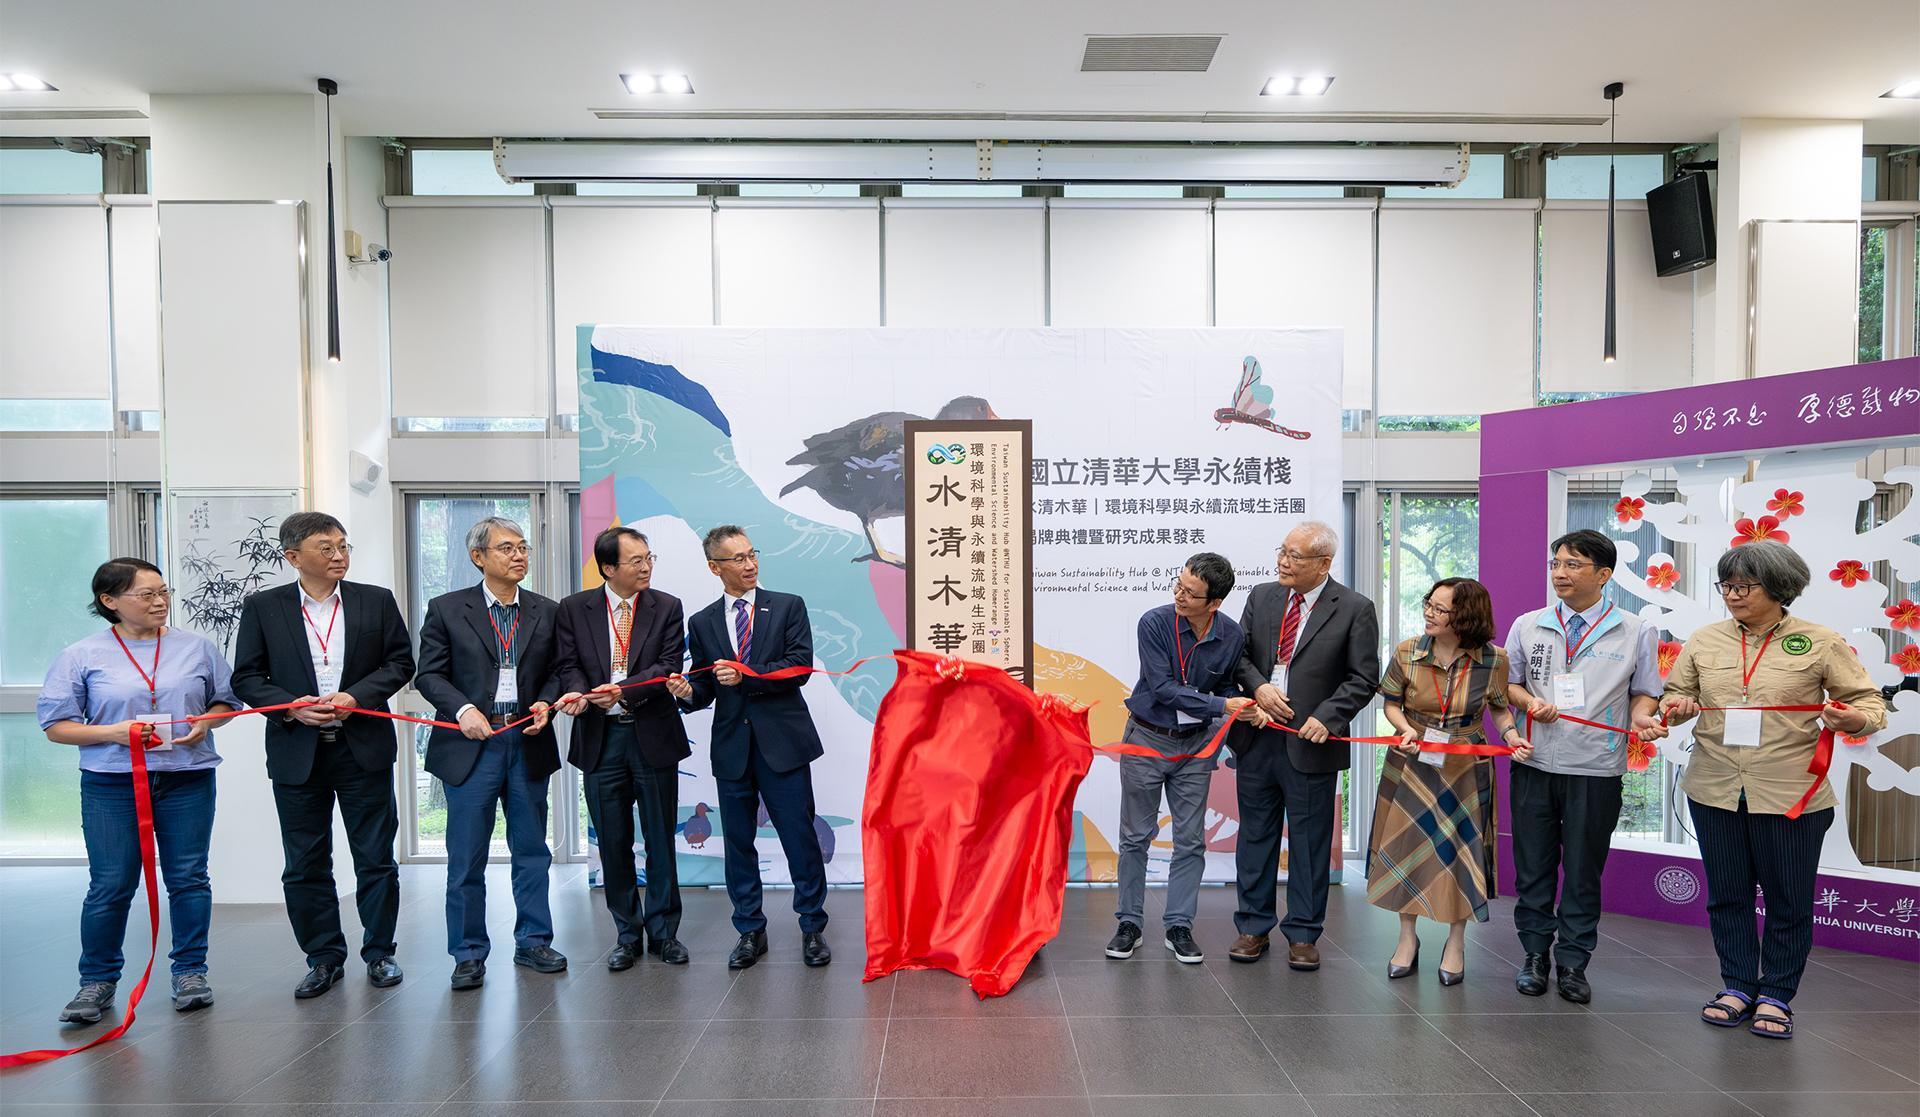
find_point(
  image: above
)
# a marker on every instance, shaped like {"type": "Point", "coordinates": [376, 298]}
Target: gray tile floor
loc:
{"type": "Point", "coordinates": [1079, 1035]}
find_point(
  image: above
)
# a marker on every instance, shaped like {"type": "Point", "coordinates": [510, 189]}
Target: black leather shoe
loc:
{"type": "Point", "coordinates": [470, 974]}
{"type": "Point", "coordinates": [622, 958]}
{"type": "Point", "coordinates": [541, 959]}
{"type": "Point", "coordinates": [813, 949]}
{"type": "Point", "coordinates": [1125, 940]}
{"type": "Point", "coordinates": [319, 979]}
{"type": "Point", "coordinates": [1573, 985]}
{"type": "Point", "coordinates": [748, 950]}
{"type": "Point", "coordinates": [1531, 978]}
{"type": "Point", "coordinates": [669, 951]}
{"type": "Point", "coordinates": [384, 973]}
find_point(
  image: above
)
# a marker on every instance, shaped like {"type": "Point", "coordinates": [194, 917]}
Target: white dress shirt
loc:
{"type": "Point", "coordinates": [618, 670]}
{"type": "Point", "coordinates": [1311, 598]}
{"type": "Point", "coordinates": [321, 616]}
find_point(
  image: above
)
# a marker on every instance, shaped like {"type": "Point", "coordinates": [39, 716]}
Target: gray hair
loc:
{"type": "Point", "coordinates": [480, 535]}
{"type": "Point", "coordinates": [1325, 539]}
{"type": "Point", "coordinates": [299, 527]}
{"type": "Point", "coordinates": [711, 544]}
{"type": "Point", "coordinates": [1779, 569]}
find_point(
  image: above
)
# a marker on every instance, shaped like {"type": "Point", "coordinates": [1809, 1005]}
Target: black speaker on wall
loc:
{"type": "Point", "coordinates": [1680, 213]}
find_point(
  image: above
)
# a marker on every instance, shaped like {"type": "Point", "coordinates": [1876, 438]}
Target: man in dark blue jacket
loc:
{"type": "Point", "coordinates": [763, 738]}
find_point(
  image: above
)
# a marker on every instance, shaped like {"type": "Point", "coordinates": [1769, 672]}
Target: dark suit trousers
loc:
{"type": "Point", "coordinates": [1274, 793]}
{"type": "Point", "coordinates": [789, 798]}
{"type": "Point", "coordinates": [1562, 824]}
{"type": "Point", "coordinates": [1738, 850]}
{"type": "Point", "coordinates": [306, 831]}
{"type": "Point", "coordinates": [621, 780]}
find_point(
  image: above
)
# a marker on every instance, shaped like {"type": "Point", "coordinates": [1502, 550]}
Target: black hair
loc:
{"type": "Point", "coordinates": [1588, 544]}
{"type": "Point", "coordinates": [113, 578]}
{"type": "Point", "coordinates": [711, 543]}
{"type": "Point", "coordinates": [606, 546]}
{"type": "Point", "coordinates": [1215, 571]}
{"type": "Point", "coordinates": [295, 529]}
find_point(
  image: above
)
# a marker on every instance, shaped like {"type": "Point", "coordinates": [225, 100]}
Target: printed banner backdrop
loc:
{"type": "Point", "coordinates": [1148, 445]}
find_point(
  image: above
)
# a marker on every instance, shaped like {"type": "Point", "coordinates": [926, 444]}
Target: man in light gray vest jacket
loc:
{"type": "Point", "coordinates": [1589, 658]}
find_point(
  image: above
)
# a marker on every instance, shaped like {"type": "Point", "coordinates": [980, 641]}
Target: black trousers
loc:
{"type": "Point", "coordinates": [616, 785]}
{"type": "Point", "coordinates": [1273, 793]}
{"type": "Point", "coordinates": [1739, 850]}
{"type": "Point", "coordinates": [306, 833]}
{"type": "Point", "coordinates": [1562, 829]}
{"type": "Point", "coordinates": [789, 801]}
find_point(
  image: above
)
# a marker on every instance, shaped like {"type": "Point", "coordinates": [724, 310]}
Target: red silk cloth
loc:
{"type": "Point", "coordinates": [968, 820]}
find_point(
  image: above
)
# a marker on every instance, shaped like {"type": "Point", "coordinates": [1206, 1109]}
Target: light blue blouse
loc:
{"type": "Point", "coordinates": [91, 681]}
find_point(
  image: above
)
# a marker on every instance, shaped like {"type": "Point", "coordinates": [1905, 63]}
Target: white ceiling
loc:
{"type": "Point", "coordinates": [502, 68]}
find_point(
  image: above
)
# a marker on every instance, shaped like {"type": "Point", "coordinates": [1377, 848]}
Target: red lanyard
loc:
{"type": "Point", "coordinates": [1446, 691]}
{"type": "Point", "coordinates": [1180, 658]}
{"type": "Point", "coordinates": [1573, 649]}
{"type": "Point", "coordinates": [324, 661]}
{"type": "Point", "coordinates": [1746, 672]}
{"type": "Point", "coordinates": [153, 680]}
{"type": "Point", "coordinates": [506, 642]}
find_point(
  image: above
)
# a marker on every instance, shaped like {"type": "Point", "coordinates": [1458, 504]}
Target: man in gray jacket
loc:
{"type": "Point", "coordinates": [1590, 658]}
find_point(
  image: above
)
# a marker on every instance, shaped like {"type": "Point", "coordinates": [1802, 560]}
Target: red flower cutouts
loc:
{"type": "Point", "coordinates": [1850, 573]}
{"type": "Point", "coordinates": [1904, 615]}
{"type": "Point", "coordinates": [1786, 504]}
{"type": "Point", "coordinates": [1628, 508]}
{"type": "Point", "coordinates": [1640, 753]}
{"type": "Point", "coordinates": [1753, 531]}
{"type": "Point", "coordinates": [1667, 655]}
{"type": "Point", "coordinates": [1662, 575]}
{"type": "Point", "coordinates": [1907, 659]}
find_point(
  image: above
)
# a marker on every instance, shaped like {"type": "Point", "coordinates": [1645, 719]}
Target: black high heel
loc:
{"type": "Point", "coordinates": [1394, 973]}
{"type": "Point", "coordinates": [1450, 978]}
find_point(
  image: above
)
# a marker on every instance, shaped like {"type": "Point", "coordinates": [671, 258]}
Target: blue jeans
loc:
{"type": "Point", "coordinates": [499, 778]}
{"type": "Point", "coordinates": [182, 830]}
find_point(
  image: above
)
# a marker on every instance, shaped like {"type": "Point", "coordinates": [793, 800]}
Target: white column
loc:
{"type": "Point", "coordinates": [1778, 170]}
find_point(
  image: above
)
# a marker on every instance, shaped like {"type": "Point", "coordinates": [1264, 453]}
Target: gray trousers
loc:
{"type": "Point", "coordinates": [1142, 780]}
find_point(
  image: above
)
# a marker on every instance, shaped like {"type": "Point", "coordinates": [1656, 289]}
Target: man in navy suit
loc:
{"type": "Point", "coordinates": [628, 741]}
{"type": "Point", "coordinates": [486, 659]}
{"type": "Point", "coordinates": [763, 738]}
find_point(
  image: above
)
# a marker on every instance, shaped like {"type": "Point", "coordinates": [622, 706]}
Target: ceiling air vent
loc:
{"type": "Point", "coordinates": [1149, 53]}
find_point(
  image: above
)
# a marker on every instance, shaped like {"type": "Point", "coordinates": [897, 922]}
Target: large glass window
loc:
{"type": "Point", "coordinates": [460, 171]}
{"type": "Point", "coordinates": [56, 415]}
{"type": "Point", "coordinates": [960, 190]}
{"type": "Point", "coordinates": [49, 170]}
{"type": "Point", "coordinates": [1424, 537]}
{"type": "Point", "coordinates": [1585, 176]}
{"type": "Point", "coordinates": [437, 526]}
{"type": "Point", "coordinates": [1873, 293]}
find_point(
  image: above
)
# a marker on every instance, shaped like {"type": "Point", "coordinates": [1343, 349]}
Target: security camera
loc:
{"type": "Point", "coordinates": [379, 253]}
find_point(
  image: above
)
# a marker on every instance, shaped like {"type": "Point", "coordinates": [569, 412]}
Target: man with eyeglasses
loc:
{"type": "Point", "coordinates": [1311, 660]}
{"type": "Point", "coordinates": [343, 647]}
{"type": "Point", "coordinates": [487, 661]}
{"type": "Point", "coordinates": [1587, 657]}
{"type": "Point", "coordinates": [1188, 652]}
{"type": "Point", "coordinates": [763, 739]}
{"type": "Point", "coordinates": [628, 740]}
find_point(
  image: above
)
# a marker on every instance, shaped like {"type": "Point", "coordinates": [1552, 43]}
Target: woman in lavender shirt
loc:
{"type": "Point", "coordinates": [100, 688]}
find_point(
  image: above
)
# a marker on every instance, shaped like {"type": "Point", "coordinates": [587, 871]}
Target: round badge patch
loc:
{"type": "Point", "coordinates": [1798, 643]}
{"type": "Point", "coordinates": [1676, 885]}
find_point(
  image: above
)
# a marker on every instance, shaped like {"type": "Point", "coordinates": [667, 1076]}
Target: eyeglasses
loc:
{"type": "Point", "coordinates": [1571, 566]}
{"type": "Point", "coordinates": [146, 597]}
{"type": "Point", "coordinates": [741, 559]}
{"type": "Point", "coordinates": [1182, 593]}
{"type": "Point", "coordinates": [1735, 590]}
{"type": "Point", "coordinates": [329, 551]}
{"type": "Point", "coordinates": [639, 562]}
{"type": "Point", "coordinates": [1296, 556]}
{"type": "Point", "coordinates": [1435, 610]}
{"type": "Point", "coordinates": [511, 550]}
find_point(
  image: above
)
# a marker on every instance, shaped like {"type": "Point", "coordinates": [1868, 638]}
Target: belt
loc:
{"type": "Point", "coordinates": [622, 719]}
{"type": "Point", "coordinates": [499, 721]}
{"type": "Point", "coordinates": [329, 734]}
{"type": "Point", "coordinates": [1179, 733]}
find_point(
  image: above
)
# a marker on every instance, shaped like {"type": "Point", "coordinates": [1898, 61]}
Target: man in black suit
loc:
{"type": "Point", "coordinates": [763, 739]}
{"type": "Point", "coordinates": [486, 660]}
{"type": "Point", "coordinates": [628, 741]}
{"type": "Point", "coordinates": [342, 646]}
{"type": "Point", "coordinates": [1312, 662]}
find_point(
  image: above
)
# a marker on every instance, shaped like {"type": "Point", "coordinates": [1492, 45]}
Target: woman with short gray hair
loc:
{"type": "Point", "coordinates": [1758, 820]}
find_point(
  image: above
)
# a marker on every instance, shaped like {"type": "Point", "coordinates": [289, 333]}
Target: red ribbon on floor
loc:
{"type": "Point", "coordinates": [137, 738]}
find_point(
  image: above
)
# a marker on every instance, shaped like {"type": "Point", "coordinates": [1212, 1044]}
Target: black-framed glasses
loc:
{"type": "Point", "coordinates": [1428, 606]}
{"type": "Point", "coordinates": [1182, 593]}
{"type": "Point", "coordinates": [1735, 590]}
{"type": "Point", "coordinates": [741, 559]}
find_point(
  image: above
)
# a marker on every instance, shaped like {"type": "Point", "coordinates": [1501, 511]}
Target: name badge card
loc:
{"type": "Point", "coordinates": [1570, 691]}
{"type": "Point", "coordinates": [507, 691]}
{"type": "Point", "coordinates": [1434, 736]}
{"type": "Point", "coordinates": [1742, 730]}
{"type": "Point", "coordinates": [166, 734]}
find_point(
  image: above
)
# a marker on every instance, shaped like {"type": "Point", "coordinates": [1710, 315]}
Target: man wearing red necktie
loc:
{"type": "Point", "coordinates": [1311, 661]}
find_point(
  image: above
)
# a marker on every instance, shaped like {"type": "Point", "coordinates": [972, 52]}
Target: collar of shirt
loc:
{"type": "Point", "coordinates": [313, 603]}
{"type": "Point", "coordinates": [1180, 622]}
{"type": "Point", "coordinates": [1312, 596]}
{"type": "Point", "coordinates": [1774, 628]}
{"type": "Point", "coordinates": [493, 601]}
{"type": "Point", "coordinates": [1590, 614]}
{"type": "Point", "coordinates": [1423, 652]}
{"type": "Point", "coordinates": [614, 600]}
{"type": "Point", "coordinates": [748, 597]}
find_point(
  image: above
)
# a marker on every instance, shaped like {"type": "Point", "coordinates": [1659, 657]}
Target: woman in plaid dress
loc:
{"type": "Point", "coordinates": [1431, 852]}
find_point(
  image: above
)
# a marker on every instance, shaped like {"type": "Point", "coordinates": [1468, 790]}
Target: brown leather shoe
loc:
{"type": "Point", "coordinates": [1303, 956]}
{"type": "Point", "coordinates": [1248, 948]}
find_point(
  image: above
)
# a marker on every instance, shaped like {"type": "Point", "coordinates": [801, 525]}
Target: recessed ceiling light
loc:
{"type": "Point", "coordinates": [29, 83]}
{"type": "Point", "coordinates": [1279, 86]}
{"type": "Point", "coordinates": [657, 83]}
{"type": "Point", "coordinates": [1906, 90]}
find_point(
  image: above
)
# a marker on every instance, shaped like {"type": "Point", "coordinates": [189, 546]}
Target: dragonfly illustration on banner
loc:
{"type": "Point", "coordinates": [1253, 404]}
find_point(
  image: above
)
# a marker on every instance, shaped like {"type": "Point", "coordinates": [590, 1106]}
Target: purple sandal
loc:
{"type": "Point", "coordinates": [1784, 1024]}
{"type": "Point", "coordinates": [1734, 1017]}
